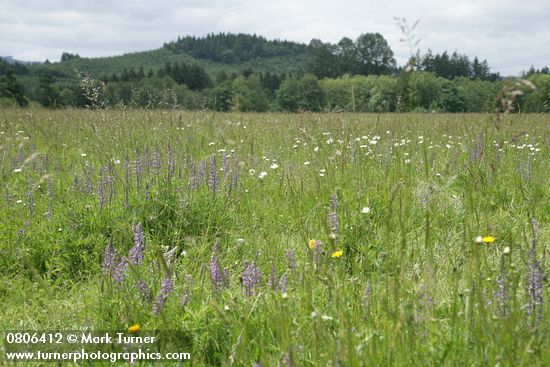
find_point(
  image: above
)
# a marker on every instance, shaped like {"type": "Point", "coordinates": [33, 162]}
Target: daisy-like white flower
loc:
{"type": "Point", "coordinates": [365, 210]}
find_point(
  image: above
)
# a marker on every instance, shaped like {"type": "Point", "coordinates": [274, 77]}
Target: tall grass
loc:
{"type": "Point", "coordinates": [243, 194]}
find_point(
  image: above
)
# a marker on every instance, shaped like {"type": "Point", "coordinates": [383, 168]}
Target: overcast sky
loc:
{"type": "Point", "coordinates": [512, 35]}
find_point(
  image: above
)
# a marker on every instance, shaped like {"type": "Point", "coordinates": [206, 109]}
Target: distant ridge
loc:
{"type": "Point", "coordinates": [11, 60]}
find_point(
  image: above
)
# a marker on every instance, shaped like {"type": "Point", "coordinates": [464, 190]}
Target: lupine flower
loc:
{"type": "Point", "coordinates": [186, 290]}
{"type": "Point", "coordinates": [170, 166]}
{"type": "Point", "coordinates": [100, 193]}
{"type": "Point", "coordinates": [201, 172]}
{"type": "Point", "coordinates": [144, 290]}
{"type": "Point", "coordinates": [135, 256]}
{"type": "Point", "coordinates": [213, 181]}
{"type": "Point", "coordinates": [156, 161]}
{"type": "Point", "coordinates": [225, 166]}
{"type": "Point", "coordinates": [526, 168]}
{"type": "Point", "coordinates": [226, 278]}
{"type": "Point", "coordinates": [137, 168]}
{"type": "Point", "coordinates": [158, 305]}
{"type": "Point", "coordinates": [108, 258]}
{"type": "Point", "coordinates": [193, 179]}
{"type": "Point", "coordinates": [283, 283]}
{"type": "Point", "coordinates": [534, 288]}
{"type": "Point", "coordinates": [166, 286]}
{"type": "Point", "coordinates": [250, 278]}
{"type": "Point", "coordinates": [216, 277]}
{"type": "Point", "coordinates": [333, 217]}
{"type": "Point", "coordinates": [119, 269]}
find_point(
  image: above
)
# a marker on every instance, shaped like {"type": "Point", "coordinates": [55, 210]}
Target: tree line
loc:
{"type": "Point", "coordinates": [353, 75]}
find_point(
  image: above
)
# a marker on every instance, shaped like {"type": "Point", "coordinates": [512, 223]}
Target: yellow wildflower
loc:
{"type": "Point", "coordinates": [134, 329]}
{"type": "Point", "coordinates": [312, 244]}
{"type": "Point", "coordinates": [488, 239]}
{"type": "Point", "coordinates": [337, 253]}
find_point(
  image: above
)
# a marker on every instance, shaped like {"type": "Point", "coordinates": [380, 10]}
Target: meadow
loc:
{"type": "Point", "coordinates": [282, 239]}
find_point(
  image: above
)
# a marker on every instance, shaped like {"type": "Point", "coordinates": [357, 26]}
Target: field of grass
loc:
{"type": "Point", "coordinates": [282, 240]}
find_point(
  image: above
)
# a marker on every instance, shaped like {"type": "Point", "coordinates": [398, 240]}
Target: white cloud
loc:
{"type": "Point", "coordinates": [511, 35]}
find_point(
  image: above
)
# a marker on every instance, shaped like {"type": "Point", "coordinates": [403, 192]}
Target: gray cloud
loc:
{"type": "Point", "coordinates": [511, 35]}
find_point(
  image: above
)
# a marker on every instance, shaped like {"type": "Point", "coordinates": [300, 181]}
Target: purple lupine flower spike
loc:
{"type": "Point", "coordinates": [216, 277]}
{"type": "Point", "coordinates": [226, 278]}
{"type": "Point", "coordinates": [283, 283]}
{"type": "Point", "coordinates": [250, 278]}
{"type": "Point", "coordinates": [144, 290]}
{"type": "Point", "coordinates": [166, 287]}
{"type": "Point", "coordinates": [333, 217]}
{"type": "Point", "coordinates": [119, 269]}
{"type": "Point", "coordinates": [108, 258]}
{"type": "Point", "coordinates": [135, 257]}
{"type": "Point", "coordinates": [213, 181]}
{"type": "Point", "coordinates": [186, 290]}
{"type": "Point", "coordinates": [534, 288]}
{"type": "Point", "coordinates": [225, 166]}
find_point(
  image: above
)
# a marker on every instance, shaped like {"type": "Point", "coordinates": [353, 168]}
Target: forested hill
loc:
{"type": "Point", "coordinates": [228, 48]}
{"type": "Point", "coordinates": [232, 53]}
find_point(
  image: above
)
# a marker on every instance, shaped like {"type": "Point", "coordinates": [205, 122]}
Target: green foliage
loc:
{"type": "Point", "coordinates": [48, 93]}
{"type": "Point", "coordinates": [248, 95]}
{"type": "Point", "coordinates": [11, 89]}
{"type": "Point", "coordinates": [384, 95]}
{"type": "Point", "coordinates": [374, 55]}
{"type": "Point", "coordinates": [304, 94]}
{"type": "Point", "coordinates": [456, 66]}
{"type": "Point", "coordinates": [538, 100]}
{"type": "Point", "coordinates": [370, 54]}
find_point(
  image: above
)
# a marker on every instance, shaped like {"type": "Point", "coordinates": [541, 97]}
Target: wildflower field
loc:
{"type": "Point", "coordinates": [282, 240]}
